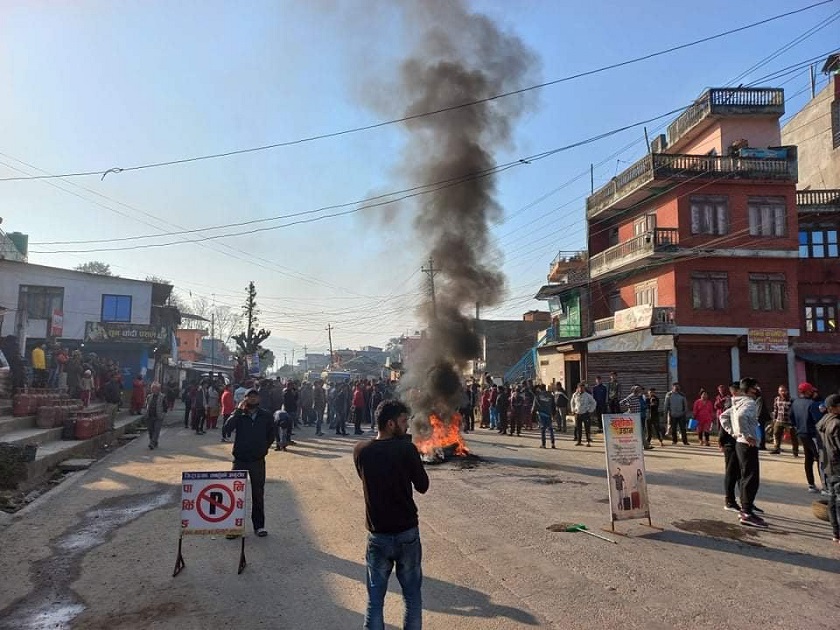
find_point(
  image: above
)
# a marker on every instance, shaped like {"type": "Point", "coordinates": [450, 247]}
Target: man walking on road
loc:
{"type": "Point", "coordinates": [389, 466]}
{"type": "Point", "coordinates": [544, 408]}
{"type": "Point", "coordinates": [254, 429]}
{"type": "Point", "coordinates": [155, 410]}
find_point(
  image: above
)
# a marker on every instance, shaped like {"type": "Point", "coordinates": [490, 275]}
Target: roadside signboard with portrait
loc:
{"type": "Point", "coordinates": [626, 475]}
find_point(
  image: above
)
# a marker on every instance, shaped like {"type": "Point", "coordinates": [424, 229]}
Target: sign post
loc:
{"type": "Point", "coordinates": [626, 476]}
{"type": "Point", "coordinates": [213, 503]}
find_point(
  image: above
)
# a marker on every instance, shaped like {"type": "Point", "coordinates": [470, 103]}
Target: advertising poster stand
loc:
{"type": "Point", "coordinates": [626, 474]}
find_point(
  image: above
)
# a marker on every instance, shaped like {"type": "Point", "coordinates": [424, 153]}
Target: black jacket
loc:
{"type": "Point", "coordinates": [254, 434]}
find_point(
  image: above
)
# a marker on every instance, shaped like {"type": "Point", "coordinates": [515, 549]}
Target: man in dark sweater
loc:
{"type": "Point", "coordinates": [389, 466]}
{"type": "Point", "coordinates": [254, 428]}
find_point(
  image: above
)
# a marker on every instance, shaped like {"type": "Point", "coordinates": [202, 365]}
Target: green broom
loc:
{"type": "Point", "coordinates": [568, 527]}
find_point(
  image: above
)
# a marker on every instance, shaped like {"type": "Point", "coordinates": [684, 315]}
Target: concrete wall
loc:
{"type": "Point", "coordinates": [82, 296]}
{"type": "Point", "coordinates": [811, 131]}
{"type": "Point", "coordinates": [506, 341]}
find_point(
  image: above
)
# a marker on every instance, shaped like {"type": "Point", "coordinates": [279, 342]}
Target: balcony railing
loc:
{"type": "Point", "coordinates": [663, 322]}
{"type": "Point", "coordinates": [727, 101]}
{"type": "Point", "coordinates": [662, 166]}
{"type": "Point", "coordinates": [568, 264]}
{"type": "Point", "coordinates": [637, 248]}
{"type": "Point", "coordinates": [818, 200]}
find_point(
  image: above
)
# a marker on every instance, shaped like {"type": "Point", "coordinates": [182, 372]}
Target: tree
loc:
{"type": "Point", "coordinates": [394, 348]}
{"type": "Point", "coordinates": [250, 340]}
{"type": "Point", "coordinates": [226, 319]}
{"type": "Point", "coordinates": [267, 359]}
{"type": "Point", "coordinates": [95, 266]}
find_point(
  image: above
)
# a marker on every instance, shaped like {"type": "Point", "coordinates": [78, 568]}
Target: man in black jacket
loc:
{"type": "Point", "coordinates": [254, 428]}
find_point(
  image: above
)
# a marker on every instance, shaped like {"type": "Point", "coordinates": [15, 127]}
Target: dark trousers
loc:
{"type": "Point", "coordinates": [809, 445]}
{"type": "Point", "coordinates": [515, 421]}
{"type": "Point", "coordinates": [319, 418]}
{"type": "Point", "coordinates": [748, 463]}
{"type": "Point", "coordinates": [198, 419]}
{"type": "Point", "coordinates": [582, 423]}
{"type": "Point", "coordinates": [256, 474]}
{"type": "Point", "coordinates": [678, 422]}
{"type": "Point", "coordinates": [340, 422]}
{"type": "Point", "coordinates": [358, 417]}
{"type": "Point", "coordinates": [187, 409]}
{"type": "Point", "coordinates": [731, 473]}
{"type": "Point", "coordinates": [779, 433]}
{"type": "Point", "coordinates": [833, 486]}
{"type": "Point", "coordinates": [154, 425]}
{"type": "Point", "coordinates": [653, 427]}
{"type": "Point", "coordinates": [561, 419]}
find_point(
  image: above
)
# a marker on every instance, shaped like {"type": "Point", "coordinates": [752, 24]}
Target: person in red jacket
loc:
{"type": "Point", "coordinates": [358, 407]}
{"type": "Point", "coordinates": [704, 414]}
{"type": "Point", "coordinates": [138, 395]}
{"type": "Point", "coordinates": [227, 406]}
{"type": "Point", "coordinates": [485, 408]}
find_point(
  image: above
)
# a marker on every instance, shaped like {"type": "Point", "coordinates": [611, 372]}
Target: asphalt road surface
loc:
{"type": "Point", "coordinates": [98, 552]}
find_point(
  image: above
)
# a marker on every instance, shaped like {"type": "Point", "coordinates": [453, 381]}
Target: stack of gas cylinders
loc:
{"type": "Point", "coordinates": [53, 409]}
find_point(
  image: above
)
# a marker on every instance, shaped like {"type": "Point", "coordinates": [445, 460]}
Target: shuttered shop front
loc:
{"type": "Point", "coordinates": [704, 366]}
{"type": "Point", "coordinates": [648, 369]}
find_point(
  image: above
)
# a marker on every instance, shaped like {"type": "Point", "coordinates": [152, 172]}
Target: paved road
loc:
{"type": "Point", "coordinates": [98, 553]}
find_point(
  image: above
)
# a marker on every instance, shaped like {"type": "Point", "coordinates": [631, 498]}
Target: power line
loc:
{"type": "Point", "coordinates": [103, 172]}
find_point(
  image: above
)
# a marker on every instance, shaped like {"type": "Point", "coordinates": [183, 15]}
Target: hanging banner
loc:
{"type": "Point", "coordinates": [213, 502]}
{"type": "Point", "coordinates": [626, 476]}
{"type": "Point", "coordinates": [57, 323]}
{"type": "Point", "coordinates": [253, 364]}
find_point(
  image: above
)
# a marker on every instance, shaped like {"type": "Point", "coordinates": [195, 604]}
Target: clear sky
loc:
{"type": "Point", "coordinates": [94, 85]}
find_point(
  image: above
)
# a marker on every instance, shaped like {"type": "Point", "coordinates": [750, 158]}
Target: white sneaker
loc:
{"type": "Point", "coordinates": [813, 490]}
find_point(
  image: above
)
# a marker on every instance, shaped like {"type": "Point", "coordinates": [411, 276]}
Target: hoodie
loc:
{"type": "Point", "coordinates": [741, 419]}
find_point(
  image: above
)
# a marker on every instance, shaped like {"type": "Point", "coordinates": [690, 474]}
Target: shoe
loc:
{"type": "Point", "coordinates": [825, 492]}
{"type": "Point", "coordinates": [751, 520]}
{"type": "Point", "coordinates": [344, 433]}
{"type": "Point", "coordinates": [776, 451]}
{"type": "Point", "coordinates": [292, 443]}
{"type": "Point", "coordinates": [261, 532]}
{"type": "Point", "coordinates": [757, 510]}
{"type": "Point", "coordinates": [151, 447]}
{"type": "Point", "coordinates": [796, 454]}
{"type": "Point", "coordinates": [358, 432]}
{"type": "Point", "coordinates": [232, 536]}
{"type": "Point", "coordinates": [542, 445]}
{"type": "Point", "coordinates": [674, 442]}
{"type": "Point", "coordinates": [589, 444]}
{"type": "Point", "coordinates": [732, 507]}
{"type": "Point", "coordinates": [552, 446]}
{"type": "Point", "coordinates": [813, 489]}
{"type": "Point", "coordinates": [578, 444]}
{"type": "Point", "coordinates": [661, 443]}
{"type": "Point", "coordinates": [648, 447]}
{"type": "Point", "coordinates": [319, 433]}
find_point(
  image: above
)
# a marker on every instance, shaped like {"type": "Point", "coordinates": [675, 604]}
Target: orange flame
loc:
{"type": "Point", "coordinates": [444, 435]}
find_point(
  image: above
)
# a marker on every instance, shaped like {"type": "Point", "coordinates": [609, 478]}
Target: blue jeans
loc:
{"type": "Point", "coordinates": [545, 425]}
{"type": "Point", "coordinates": [833, 485]}
{"type": "Point", "coordinates": [383, 551]}
{"type": "Point", "coordinates": [494, 417]}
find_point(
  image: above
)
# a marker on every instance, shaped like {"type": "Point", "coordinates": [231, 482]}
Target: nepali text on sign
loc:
{"type": "Point", "coordinates": [213, 502]}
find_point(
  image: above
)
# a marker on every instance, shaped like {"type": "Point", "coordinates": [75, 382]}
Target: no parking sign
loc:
{"type": "Point", "coordinates": [213, 502]}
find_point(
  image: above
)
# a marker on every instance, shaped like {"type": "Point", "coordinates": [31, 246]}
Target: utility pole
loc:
{"type": "Point", "coordinates": [305, 359]}
{"type": "Point", "coordinates": [431, 271]}
{"type": "Point", "coordinates": [329, 336]}
{"type": "Point", "coordinates": [293, 357]}
{"type": "Point", "coordinates": [212, 343]}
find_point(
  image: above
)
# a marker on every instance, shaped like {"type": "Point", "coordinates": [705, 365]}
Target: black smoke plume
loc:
{"type": "Point", "coordinates": [461, 57]}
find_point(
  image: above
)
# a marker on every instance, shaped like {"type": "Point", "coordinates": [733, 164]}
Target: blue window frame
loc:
{"type": "Point", "coordinates": [116, 308]}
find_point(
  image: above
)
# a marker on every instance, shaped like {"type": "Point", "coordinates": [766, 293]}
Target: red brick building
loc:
{"type": "Point", "coordinates": [693, 252]}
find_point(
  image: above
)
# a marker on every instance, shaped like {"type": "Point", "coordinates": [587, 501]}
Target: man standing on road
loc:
{"type": "Point", "coordinates": [599, 393]}
{"type": "Point", "coordinates": [389, 466]}
{"type": "Point", "coordinates": [544, 408]}
{"type": "Point", "coordinates": [804, 415]}
{"type": "Point", "coordinates": [582, 406]}
{"type": "Point", "coordinates": [614, 394]}
{"type": "Point", "coordinates": [676, 410]}
{"type": "Point", "coordinates": [254, 429]}
{"type": "Point", "coordinates": [155, 410]}
{"type": "Point", "coordinates": [741, 422]}
{"type": "Point", "coordinates": [828, 429]}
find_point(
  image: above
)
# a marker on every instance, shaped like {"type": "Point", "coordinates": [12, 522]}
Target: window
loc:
{"type": "Point", "coordinates": [835, 122]}
{"type": "Point", "coordinates": [615, 301]}
{"type": "Point", "coordinates": [816, 242]}
{"type": "Point", "coordinates": [612, 236]}
{"type": "Point", "coordinates": [768, 216]}
{"type": "Point", "coordinates": [41, 302]}
{"type": "Point", "coordinates": [116, 308]}
{"type": "Point", "coordinates": [767, 291]}
{"type": "Point", "coordinates": [710, 290]}
{"type": "Point", "coordinates": [709, 214]}
{"type": "Point", "coordinates": [646, 293]}
{"type": "Point", "coordinates": [821, 314]}
{"type": "Point", "coordinates": [644, 224]}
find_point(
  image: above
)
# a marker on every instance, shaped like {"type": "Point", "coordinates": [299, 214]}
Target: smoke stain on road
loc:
{"type": "Point", "coordinates": [719, 529]}
{"type": "Point", "coordinates": [52, 603]}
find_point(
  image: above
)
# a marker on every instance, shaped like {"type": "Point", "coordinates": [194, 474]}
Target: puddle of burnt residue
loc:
{"type": "Point", "coordinates": [719, 529]}
{"type": "Point", "coordinates": [52, 604]}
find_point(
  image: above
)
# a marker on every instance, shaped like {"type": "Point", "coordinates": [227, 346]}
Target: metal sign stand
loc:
{"type": "Point", "coordinates": [242, 560]}
{"type": "Point", "coordinates": [180, 564]}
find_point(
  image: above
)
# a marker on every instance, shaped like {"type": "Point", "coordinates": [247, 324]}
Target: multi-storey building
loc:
{"type": "Point", "coordinates": [693, 252]}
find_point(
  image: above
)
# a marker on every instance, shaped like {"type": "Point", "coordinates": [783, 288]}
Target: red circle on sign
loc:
{"type": "Point", "coordinates": [204, 495]}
